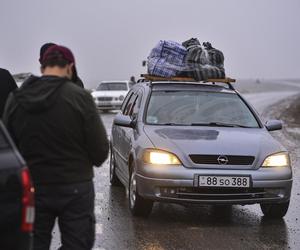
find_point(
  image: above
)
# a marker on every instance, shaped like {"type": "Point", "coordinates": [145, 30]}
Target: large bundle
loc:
{"type": "Point", "coordinates": [170, 59]}
{"type": "Point", "coordinates": [203, 62]}
{"type": "Point", "coordinates": [167, 59]}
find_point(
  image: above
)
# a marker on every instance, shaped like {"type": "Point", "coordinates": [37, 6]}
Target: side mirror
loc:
{"type": "Point", "coordinates": [273, 125]}
{"type": "Point", "coordinates": [124, 121]}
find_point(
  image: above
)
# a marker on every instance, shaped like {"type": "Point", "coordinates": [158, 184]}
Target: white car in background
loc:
{"type": "Point", "coordinates": [109, 95]}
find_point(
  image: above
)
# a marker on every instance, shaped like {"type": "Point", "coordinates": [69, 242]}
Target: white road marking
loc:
{"type": "Point", "coordinates": [99, 228]}
{"type": "Point", "coordinates": [98, 248]}
{"type": "Point", "coordinates": [99, 196]}
{"type": "Point", "coordinates": [104, 174]}
{"type": "Point", "coordinates": [98, 210]}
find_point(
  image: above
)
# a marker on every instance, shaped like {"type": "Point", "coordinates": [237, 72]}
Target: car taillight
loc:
{"type": "Point", "coordinates": [27, 201]}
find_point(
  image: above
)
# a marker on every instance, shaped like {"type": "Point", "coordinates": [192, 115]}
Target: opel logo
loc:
{"type": "Point", "coordinates": [222, 160]}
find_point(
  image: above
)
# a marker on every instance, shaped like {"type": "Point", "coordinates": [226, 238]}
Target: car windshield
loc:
{"type": "Point", "coordinates": [118, 86]}
{"type": "Point", "coordinates": [198, 108]}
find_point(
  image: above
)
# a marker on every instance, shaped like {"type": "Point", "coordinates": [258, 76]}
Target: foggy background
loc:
{"type": "Point", "coordinates": [259, 38]}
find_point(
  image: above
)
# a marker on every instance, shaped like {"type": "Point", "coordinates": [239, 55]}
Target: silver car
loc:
{"type": "Point", "coordinates": [188, 142]}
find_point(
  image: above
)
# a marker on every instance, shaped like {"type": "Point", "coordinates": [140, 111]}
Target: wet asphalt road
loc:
{"type": "Point", "coordinates": [173, 226]}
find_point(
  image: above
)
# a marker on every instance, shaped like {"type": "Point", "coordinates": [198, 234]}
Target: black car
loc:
{"type": "Point", "coordinates": [16, 197]}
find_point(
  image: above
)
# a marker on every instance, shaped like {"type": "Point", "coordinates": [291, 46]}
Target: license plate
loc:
{"type": "Point", "coordinates": [224, 181]}
{"type": "Point", "coordinates": [105, 103]}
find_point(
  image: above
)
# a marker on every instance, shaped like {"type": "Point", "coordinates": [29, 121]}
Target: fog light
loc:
{"type": "Point", "coordinates": [275, 191]}
{"type": "Point", "coordinates": [169, 192]}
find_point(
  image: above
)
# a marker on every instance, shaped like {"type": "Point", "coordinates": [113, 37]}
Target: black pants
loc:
{"type": "Point", "coordinates": [73, 206]}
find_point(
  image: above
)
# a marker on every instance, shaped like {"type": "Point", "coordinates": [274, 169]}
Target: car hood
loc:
{"type": "Point", "coordinates": [109, 93]}
{"type": "Point", "coordinates": [184, 141]}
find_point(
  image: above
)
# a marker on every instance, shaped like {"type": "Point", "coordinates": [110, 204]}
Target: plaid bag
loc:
{"type": "Point", "coordinates": [215, 56]}
{"type": "Point", "coordinates": [167, 59]}
{"type": "Point", "coordinates": [203, 63]}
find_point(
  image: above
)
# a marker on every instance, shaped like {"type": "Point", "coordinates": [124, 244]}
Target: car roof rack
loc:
{"type": "Point", "coordinates": [152, 78]}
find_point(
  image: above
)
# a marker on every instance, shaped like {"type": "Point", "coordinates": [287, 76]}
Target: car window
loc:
{"type": "Point", "coordinates": [124, 104]}
{"type": "Point", "coordinates": [136, 105]}
{"type": "Point", "coordinates": [198, 107]}
{"type": "Point", "coordinates": [112, 86]}
{"type": "Point", "coordinates": [129, 106]}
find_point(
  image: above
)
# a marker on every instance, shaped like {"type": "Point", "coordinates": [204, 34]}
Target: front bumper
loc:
{"type": "Point", "coordinates": [180, 185]}
{"type": "Point", "coordinates": [108, 105]}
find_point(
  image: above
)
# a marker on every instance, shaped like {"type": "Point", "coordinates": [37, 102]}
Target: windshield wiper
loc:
{"type": "Point", "coordinates": [219, 124]}
{"type": "Point", "coordinates": [172, 124]}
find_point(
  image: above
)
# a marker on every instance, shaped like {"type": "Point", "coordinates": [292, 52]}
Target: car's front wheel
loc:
{"type": "Point", "coordinates": [137, 204]}
{"type": "Point", "coordinates": [276, 211]}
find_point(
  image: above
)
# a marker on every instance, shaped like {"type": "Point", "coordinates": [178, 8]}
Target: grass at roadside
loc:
{"type": "Point", "coordinates": [287, 110]}
{"type": "Point", "coordinates": [291, 116]}
{"type": "Point", "coordinates": [292, 113]}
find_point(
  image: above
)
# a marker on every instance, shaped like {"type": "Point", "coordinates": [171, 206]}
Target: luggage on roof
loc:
{"type": "Point", "coordinates": [153, 79]}
{"type": "Point", "coordinates": [171, 59]}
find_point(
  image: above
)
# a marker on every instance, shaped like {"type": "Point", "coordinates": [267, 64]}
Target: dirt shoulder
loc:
{"type": "Point", "coordinates": [289, 112]}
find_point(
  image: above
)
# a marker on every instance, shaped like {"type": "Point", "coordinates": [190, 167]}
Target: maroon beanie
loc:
{"type": "Point", "coordinates": [43, 49]}
{"type": "Point", "coordinates": [64, 51]}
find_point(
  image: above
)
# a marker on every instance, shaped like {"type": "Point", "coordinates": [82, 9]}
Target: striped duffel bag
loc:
{"type": "Point", "coordinates": [205, 62]}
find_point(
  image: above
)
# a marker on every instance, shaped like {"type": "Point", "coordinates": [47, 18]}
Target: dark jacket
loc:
{"type": "Point", "coordinates": [57, 129]}
{"type": "Point", "coordinates": [7, 84]}
{"type": "Point", "coordinates": [78, 82]}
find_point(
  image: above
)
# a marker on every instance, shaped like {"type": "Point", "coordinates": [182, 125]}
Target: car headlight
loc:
{"type": "Point", "coordinates": [277, 160]}
{"type": "Point", "coordinates": [159, 157]}
{"type": "Point", "coordinates": [121, 97]}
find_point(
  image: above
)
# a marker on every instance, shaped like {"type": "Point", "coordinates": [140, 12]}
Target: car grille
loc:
{"type": "Point", "coordinates": [196, 193]}
{"type": "Point", "coordinates": [105, 98]}
{"type": "Point", "coordinates": [213, 159]}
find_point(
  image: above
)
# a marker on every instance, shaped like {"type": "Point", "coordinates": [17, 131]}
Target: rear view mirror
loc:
{"type": "Point", "coordinates": [273, 125]}
{"type": "Point", "coordinates": [124, 121]}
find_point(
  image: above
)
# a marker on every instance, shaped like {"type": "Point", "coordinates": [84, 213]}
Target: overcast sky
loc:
{"type": "Point", "coordinates": [259, 38]}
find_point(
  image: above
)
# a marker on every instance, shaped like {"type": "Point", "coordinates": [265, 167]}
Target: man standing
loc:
{"type": "Point", "coordinates": [7, 84]}
{"type": "Point", "coordinates": [57, 129]}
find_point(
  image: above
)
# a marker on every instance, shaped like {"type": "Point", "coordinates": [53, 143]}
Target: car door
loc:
{"type": "Point", "coordinates": [127, 133]}
{"type": "Point", "coordinates": [117, 133]}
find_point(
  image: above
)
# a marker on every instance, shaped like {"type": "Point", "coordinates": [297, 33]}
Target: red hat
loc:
{"type": "Point", "coordinates": [64, 51]}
